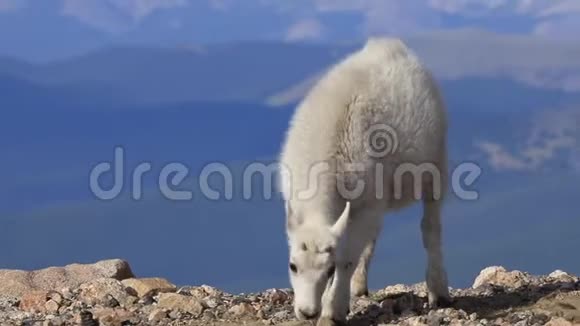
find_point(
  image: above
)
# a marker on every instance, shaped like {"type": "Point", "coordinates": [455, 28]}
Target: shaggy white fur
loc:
{"type": "Point", "coordinates": [370, 137]}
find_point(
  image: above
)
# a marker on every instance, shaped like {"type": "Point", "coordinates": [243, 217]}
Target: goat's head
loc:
{"type": "Point", "coordinates": [313, 257]}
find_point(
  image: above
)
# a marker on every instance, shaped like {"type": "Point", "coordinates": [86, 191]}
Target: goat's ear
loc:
{"type": "Point", "coordinates": [339, 226]}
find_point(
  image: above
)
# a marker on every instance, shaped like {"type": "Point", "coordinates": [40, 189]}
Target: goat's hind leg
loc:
{"type": "Point", "coordinates": [436, 275]}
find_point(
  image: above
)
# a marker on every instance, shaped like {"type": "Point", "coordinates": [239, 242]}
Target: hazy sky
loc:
{"type": "Point", "coordinates": [47, 29]}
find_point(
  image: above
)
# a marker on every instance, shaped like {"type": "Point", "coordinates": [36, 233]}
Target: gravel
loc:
{"type": "Point", "coordinates": [498, 297]}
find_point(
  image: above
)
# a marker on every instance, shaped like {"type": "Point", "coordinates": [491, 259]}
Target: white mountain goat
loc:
{"type": "Point", "coordinates": [369, 138]}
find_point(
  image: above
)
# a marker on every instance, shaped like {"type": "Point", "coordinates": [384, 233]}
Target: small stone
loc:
{"type": "Point", "coordinates": [211, 302]}
{"type": "Point", "coordinates": [539, 319]}
{"type": "Point", "coordinates": [197, 292]}
{"type": "Point", "coordinates": [561, 276]}
{"type": "Point", "coordinates": [210, 290]}
{"type": "Point", "coordinates": [174, 301]}
{"type": "Point", "coordinates": [242, 309]}
{"type": "Point", "coordinates": [149, 286]}
{"type": "Point", "coordinates": [56, 297]}
{"type": "Point", "coordinates": [394, 290]}
{"type": "Point", "coordinates": [276, 296]}
{"type": "Point", "coordinates": [282, 315]}
{"type": "Point", "coordinates": [106, 291]}
{"type": "Point", "coordinates": [497, 275]}
{"type": "Point", "coordinates": [558, 274]}
{"type": "Point", "coordinates": [175, 314]}
{"type": "Point", "coordinates": [559, 322]}
{"type": "Point", "coordinates": [146, 300]}
{"type": "Point", "coordinates": [34, 301]}
{"type": "Point", "coordinates": [208, 315]}
{"type": "Point", "coordinates": [363, 302]}
{"type": "Point", "coordinates": [456, 322]}
{"type": "Point", "coordinates": [57, 321]}
{"type": "Point", "coordinates": [51, 306]}
{"type": "Point", "coordinates": [66, 293]}
{"type": "Point", "coordinates": [261, 314]}
{"type": "Point", "coordinates": [157, 315]}
{"type": "Point", "coordinates": [415, 321]}
{"type": "Point", "coordinates": [85, 318]}
{"type": "Point", "coordinates": [112, 316]}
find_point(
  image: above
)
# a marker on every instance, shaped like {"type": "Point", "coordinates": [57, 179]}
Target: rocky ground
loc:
{"type": "Point", "coordinates": [107, 293]}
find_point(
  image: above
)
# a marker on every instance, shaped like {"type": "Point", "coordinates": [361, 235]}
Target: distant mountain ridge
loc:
{"type": "Point", "coordinates": [280, 73]}
{"type": "Point", "coordinates": [240, 72]}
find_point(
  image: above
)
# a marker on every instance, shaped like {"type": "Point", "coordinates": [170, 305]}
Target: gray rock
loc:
{"type": "Point", "coordinates": [242, 309]}
{"type": "Point", "coordinates": [183, 303]}
{"type": "Point", "coordinates": [149, 286]}
{"type": "Point", "coordinates": [14, 283]}
{"type": "Point", "coordinates": [107, 292]}
{"type": "Point", "coordinates": [497, 275]}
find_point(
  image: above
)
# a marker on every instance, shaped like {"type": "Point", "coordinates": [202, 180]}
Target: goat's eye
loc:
{"type": "Point", "coordinates": [330, 272]}
{"type": "Point", "coordinates": [293, 268]}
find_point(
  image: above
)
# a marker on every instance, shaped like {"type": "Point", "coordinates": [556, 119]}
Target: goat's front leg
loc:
{"type": "Point", "coordinates": [359, 281]}
{"type": "Point", "coordinates": [336, 298]}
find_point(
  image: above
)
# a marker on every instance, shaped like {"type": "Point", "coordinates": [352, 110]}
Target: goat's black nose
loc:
{"type": "Point", "coordinates": [308, 315]}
